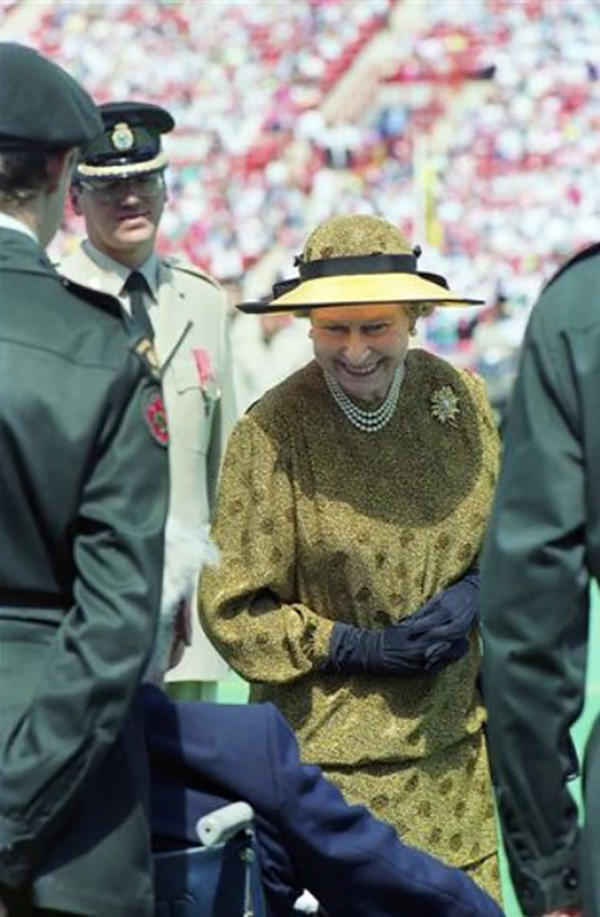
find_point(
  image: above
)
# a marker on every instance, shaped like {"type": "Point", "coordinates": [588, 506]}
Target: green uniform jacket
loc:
{"type": "Point", "coordinates": [542, 545]}
{"type": "Point", "coordinates": [83, 494]}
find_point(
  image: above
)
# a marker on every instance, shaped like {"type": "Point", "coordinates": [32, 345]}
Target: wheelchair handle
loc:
{"type": "Point", "coordinates": [219, 826]}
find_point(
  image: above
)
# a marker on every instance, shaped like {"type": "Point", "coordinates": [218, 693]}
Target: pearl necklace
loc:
{"type": "Point", "coordinates": [364, 420]}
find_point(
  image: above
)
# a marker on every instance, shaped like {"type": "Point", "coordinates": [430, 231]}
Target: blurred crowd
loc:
{"type": "Point", "coordinates": [473, 126]}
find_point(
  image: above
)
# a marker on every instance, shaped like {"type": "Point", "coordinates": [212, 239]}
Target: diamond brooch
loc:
{"type": "Point", "coordinates": [444, 404]}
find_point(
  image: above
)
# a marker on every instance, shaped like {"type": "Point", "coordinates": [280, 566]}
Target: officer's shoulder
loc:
{"type": "Point", "coordinates": [188, 269]}
{"type": "Point", "coordinates": [109, 345]}
{"type": "Point", "coordinates": [99, 301]}
{"type": "Point", "coordinates": [586, 254]}
{"type": "Point", "coordinates": [567, 302]}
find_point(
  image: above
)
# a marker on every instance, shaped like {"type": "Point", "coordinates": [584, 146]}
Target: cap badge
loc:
{"type": "Point", "coordinates": [122, 137]}
{"type": "Point", "coordinates": [444, 404]}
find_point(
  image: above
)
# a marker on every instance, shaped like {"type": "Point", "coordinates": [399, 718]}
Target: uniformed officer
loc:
{"type": "Point", "coordinates": [119, 189]}
{"type": "Point", "coordinates": [83, 499]}
{"type": "Point", "coordinates": [543, 547]}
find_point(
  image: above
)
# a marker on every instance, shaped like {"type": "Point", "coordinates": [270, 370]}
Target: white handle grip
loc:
{"type": "Point", "coordinates": [219, 826]}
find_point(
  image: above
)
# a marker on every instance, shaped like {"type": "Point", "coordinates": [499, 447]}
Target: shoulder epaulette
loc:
{"type": "Point", "coordinates": [588, 252]}
{"type": "Point", "coordinates": [188, 268]}
{"type": "Point", "coordinates": [97, 298]}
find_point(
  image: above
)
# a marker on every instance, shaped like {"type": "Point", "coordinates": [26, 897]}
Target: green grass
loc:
{"type": "Point", "coordinates": [234, 690]}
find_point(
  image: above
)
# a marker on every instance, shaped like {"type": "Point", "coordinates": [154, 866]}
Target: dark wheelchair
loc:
{"type": "Point", "coordinates": [218, 878]}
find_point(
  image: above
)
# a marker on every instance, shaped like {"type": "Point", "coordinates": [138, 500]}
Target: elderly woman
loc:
{"type": "Point", "coordinates": [353, 502]}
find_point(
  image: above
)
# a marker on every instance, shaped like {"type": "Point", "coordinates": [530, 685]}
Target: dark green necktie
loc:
{"type": "Point", "coordinates": [139, 320]}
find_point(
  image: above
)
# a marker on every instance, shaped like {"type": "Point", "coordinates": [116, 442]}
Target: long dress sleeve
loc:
{"type": "Point", "coordinates": [225, 412]}
{"type": "Point", "coordinates": [246, 601]}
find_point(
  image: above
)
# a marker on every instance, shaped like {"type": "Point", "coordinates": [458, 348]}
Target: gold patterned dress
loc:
{"type": "Point", "coordinates": [318, 522]}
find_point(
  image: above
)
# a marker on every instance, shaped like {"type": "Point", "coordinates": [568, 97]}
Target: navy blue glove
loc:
{"type": "Point", "coordinates": [446, 620]}
{"type": "Point", "coordinates": [421, 644]}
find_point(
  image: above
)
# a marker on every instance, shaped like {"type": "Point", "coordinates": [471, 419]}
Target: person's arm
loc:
{"type": "Point", "coordinates": [420, 644]}
{"type": "Point", "coordinates": [247, 601]}
{"type": "Point", "coordinates": [351, 861]}
{"type": "Point", "coordinates": [308, 836]}
{"type": "Point", "coordinates": [534, 602]}
{"type": "Point", "coordinates": [225, 411]}
{"type": "Point", "coordinates": [102, 645]}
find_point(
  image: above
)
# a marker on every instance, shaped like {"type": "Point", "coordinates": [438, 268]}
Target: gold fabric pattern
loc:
{"type": "Point", "coordinates": [318, 522]}
{"type": "Point", "coordinates": [487, 874]}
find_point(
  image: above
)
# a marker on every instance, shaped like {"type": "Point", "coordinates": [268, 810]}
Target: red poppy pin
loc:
{"type": "Point", "coordinates": [156, 418]}
{"type": "Point", "coordinates": [206, 373]}
{"type": "Point", "coordinates": [203, 366]}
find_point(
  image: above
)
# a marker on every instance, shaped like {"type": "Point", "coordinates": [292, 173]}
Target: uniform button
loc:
{"type": "Point", "coordinates": [570, 879]}
{"type": "Point", "coordinates": [527, 891]}
{"type": "Point", "coordinates": [15, 852]}
{"type": "Point", "coordinates": [532, 897]}
{"type": "Point", "coordinates": [8, 854]}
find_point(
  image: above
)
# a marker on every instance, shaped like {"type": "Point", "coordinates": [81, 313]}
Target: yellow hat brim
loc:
{"type": "Point", "coordinates": [361, 289]}
{"type": "Point", "coordinates": [365, 289]}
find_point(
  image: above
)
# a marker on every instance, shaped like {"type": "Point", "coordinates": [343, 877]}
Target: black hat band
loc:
{"type": "Point", "coordinates": [138, 154]}
{"type": "Point", "coordinates": [355, 264]}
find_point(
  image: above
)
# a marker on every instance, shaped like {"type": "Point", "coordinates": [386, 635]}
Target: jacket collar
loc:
{"type": "Point", "coordinates": [20, 252]}
{"type": "Point", "coordinates": [98, 271]}
{"type": "Point", "coordinates": [9, 222]}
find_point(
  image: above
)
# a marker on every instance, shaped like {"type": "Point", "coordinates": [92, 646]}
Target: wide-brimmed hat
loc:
{"type": "Point", "coordinates": [130, 144]}
{"type": "Point", "coordinates": [357, 260]}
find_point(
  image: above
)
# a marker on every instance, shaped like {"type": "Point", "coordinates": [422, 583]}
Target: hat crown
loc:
{"type": "Point", "coordinates": [359, 234]}
{"type": "Point", "coordinates": [41, 106]}
{"type": "Point", "coordinates": [140, 114]}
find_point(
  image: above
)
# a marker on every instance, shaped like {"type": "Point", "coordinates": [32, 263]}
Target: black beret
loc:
{"type": "Point", "coordinates": [41, 106]}
{"type": "Point", "coordinates": [130, 143]}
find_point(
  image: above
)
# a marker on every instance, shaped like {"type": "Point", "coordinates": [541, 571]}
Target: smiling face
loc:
{"type": "Point", "coordinates": [122, 216]}
{"type": "Point", "coordinates": [361, 346]}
